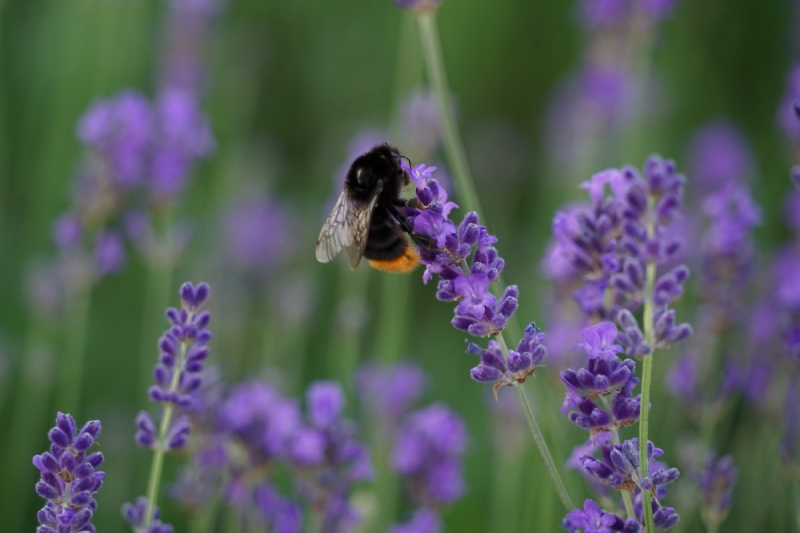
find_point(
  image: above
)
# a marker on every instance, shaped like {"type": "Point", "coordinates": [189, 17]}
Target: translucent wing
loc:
{"type": "Point", "coordinates": [346, 227]}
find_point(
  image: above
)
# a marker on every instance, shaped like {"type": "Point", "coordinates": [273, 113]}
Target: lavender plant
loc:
{"type": "Point", "coordinates": [69, 477]}
{"type": "Point", "coordinates": [184, 349]}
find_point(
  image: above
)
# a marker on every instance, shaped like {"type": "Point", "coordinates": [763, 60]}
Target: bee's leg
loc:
{"type": "Point", "coordinates": [418, 238]}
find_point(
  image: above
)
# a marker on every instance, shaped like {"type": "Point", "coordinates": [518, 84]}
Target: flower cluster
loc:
{"type": "Point", "coordinates": [184, 349]}
{"type": "Point", "coordinates": [605, 375]}
{"type": "Point", "coordinates": [466, 262]}
{"type": "Point", "coordinates": [139, 143]}
{"type": "Point", "coordinates": [593, 519]}
{"type": "Point", "coordinates": [428, 454]}
{"type": "Point", "coordinates": [607, 247]}
{"type": "Point", "coordinates": [69, 477]}
{"type": "Point", "coordinates": [256, 431]}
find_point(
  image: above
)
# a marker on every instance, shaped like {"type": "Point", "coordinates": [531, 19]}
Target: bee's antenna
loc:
{"type": "Point", "coordinates": [407, 159]}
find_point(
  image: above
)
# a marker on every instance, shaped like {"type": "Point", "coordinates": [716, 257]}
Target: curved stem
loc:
{"type": "Point", "coordinates": [453, 145]}
{"type": "Point", "coordinates": [538, 438]}
{"type": "Point", "coordinates": [154, 482]}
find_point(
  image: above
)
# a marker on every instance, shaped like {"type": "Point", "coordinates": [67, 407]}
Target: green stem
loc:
{"type": "Point", "coordinates": [161, 444]}
{"type": "Point", "coordinates": [543, 449]}
{"type": "Point", "coordinates": [69, 387]}
{"type": "Point", "coordinates": [538, 438]}
{"type": "Point", "coordinates": [647, 377]}
{"type": "Point", "coordinates": [453, 145]}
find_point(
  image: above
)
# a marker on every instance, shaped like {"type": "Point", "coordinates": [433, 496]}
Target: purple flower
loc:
{"type": "Point", "coordinates": [325, 479]}
{"type": "Point", "coordinates": [178, 373]}
{"type": "Point", "coordinates": [420, 124]}
{"type": "Point", "coordinates": [109, 252]}
{"type": "Point", "coordinates": [282, 515]}
{"type": "Point", "coordinates": [423, 520]}
{"type": "Point", "coordinates": [592, 519]}
{"type": "Point", "coordinates": [69, 477]}
{"type": "Point", "coordinates": [120, 130]}
{"type": "Point", "coordinates": [718, 155]}
{"type": "Point", "coordinates": [787, 116]}
{"type": "Point", "coordinates": [257, 234]}
{"type": "Point", "coordinates": [517, 367]}
{"type": "Point", "coordinates": [389, 391]}
{"type": "Point", "coordinates": [474, 289]}
{"type": "Point", "coordinates": [598, 341]}
{"type": "Point", "coordinates": [67, 231]}
{"type": "Point", "coordinates": [261, 420]}
{"type": "Point", "coordinates": [716, 481]}
{"type": "Point", "coordinates": [428, 454]}
{"type": "Point", "coordinates": [134, 514]}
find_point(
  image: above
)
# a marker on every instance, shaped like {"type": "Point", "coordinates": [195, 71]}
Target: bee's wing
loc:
{"type": "Point", "coordinates": [346, 227]}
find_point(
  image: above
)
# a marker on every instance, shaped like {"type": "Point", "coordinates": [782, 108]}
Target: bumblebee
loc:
{"type": "Point", "coordinates": [367, 220]}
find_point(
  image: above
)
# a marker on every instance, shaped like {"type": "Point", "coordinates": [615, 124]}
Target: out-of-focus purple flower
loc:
{"type": "Point", "coordinates": [183, 136]}
{"type": "Point", "coordinates": [389, 391]}
{"type": "Point", "coordinates": [716, 481]}
{"type": "Point", "coordinates": [423, 520]}
{"type": "Point", "coordinates": [787, 116]}
{"type": "Point", "coordinates": [428, 454]}
{"type": "Point", "coordinates": [69, 477]}
{"type": "Point", "coordinates": [184, 349]}
{"type": "Point", "coordinates": [718, 155]}
{"type": "Point", "coordinates": [134, 514]}
{"type": "Point", "coordinates": [257, 233]}
{"type": "Point", "coordinates": [67, 231]}
{"type": "Point", "coordinates": [120, 130]}
{"type": "Point", "coordinates": [261, 419]}
{"type": "Point", "coordinates": [109, 252]}
{"type": "Point", "coordinates": [590, 103]}
{"type": "Point", "coordinates": [420, 124]}
{"type": "Point", "coordinates": [327, 459]}
{"type": "Point", "coordinates": [282, 515]}
{"type": "Point", "coordinates": [592, 519]}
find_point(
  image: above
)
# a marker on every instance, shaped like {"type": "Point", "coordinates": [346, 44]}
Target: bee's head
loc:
{"type": "Point", "coordinates": [381, 163]}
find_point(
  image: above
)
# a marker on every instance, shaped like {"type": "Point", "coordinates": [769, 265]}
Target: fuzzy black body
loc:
{"type": "Point", "coordinates": [380, 170]}
{"type": "Point", "coordinates": [367, 220]}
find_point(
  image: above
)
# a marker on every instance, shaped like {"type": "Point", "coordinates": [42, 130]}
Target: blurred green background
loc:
{"type": "Point", "coordinates": [290, 84]}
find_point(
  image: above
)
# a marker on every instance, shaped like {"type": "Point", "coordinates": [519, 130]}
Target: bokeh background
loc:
{"type": "Point", "coordinates": [291, 91]}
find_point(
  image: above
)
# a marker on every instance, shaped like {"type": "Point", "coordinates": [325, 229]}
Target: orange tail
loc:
{"type": "Point", "coordinates": [405, 262]}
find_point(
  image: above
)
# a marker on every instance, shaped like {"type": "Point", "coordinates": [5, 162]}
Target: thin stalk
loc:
{"type": "Point", "coordinates": [647, 378]}
{"type": "Point", "coordinates": [453, 145]}
{"type": "Point", "coordinates": [538, 438]}
{"type": "Point", "coordinates": [69, 386]}
{"type": "Point", "coordinates": [626, 496]}
{"type": "Point", "coordinates": [158, 457]}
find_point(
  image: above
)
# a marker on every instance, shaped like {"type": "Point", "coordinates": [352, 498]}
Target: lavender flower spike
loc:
{"type": "Point", "coordinates": [69, 477]}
